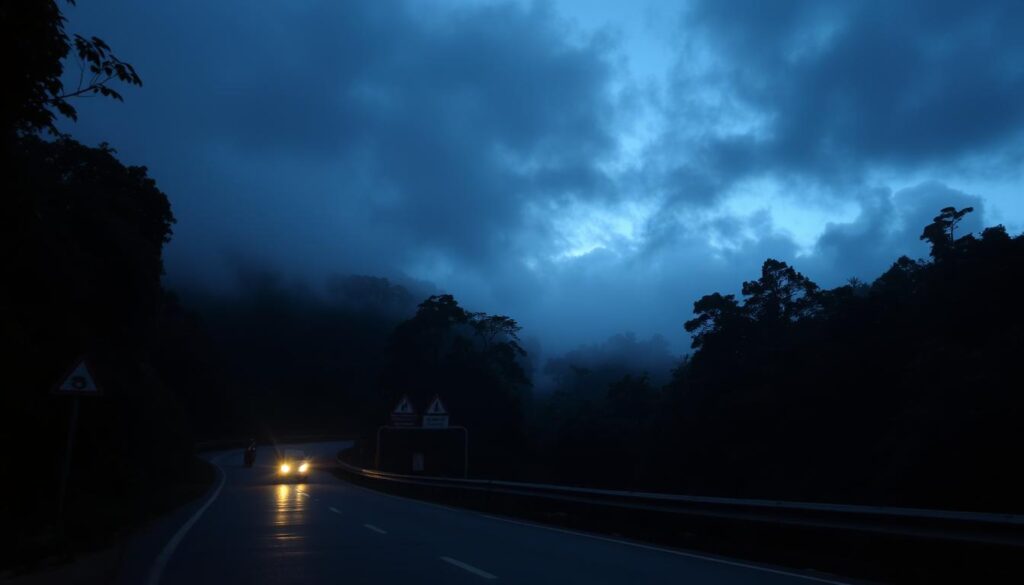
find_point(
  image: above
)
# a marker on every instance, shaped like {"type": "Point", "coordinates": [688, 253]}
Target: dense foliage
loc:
{"type": "Point", "coordinates": [282, 359]}
{"type": "Point", "coordinates": [905, 390]}
{"type": "Point", "coordinates": [82, 241]}
{"type": "Point", "coordinates": [474, 361]}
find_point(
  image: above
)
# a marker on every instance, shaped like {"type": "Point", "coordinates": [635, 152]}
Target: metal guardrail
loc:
{"type": "Point", "coordinates": [978, 527]}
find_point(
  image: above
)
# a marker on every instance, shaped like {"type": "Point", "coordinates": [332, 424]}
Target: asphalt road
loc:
{"type": "Point", "coordinates": [253, 529]}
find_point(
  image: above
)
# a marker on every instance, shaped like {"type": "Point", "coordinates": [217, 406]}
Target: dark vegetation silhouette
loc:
{"type": "Point", "coordinates": [902, 391]}
{"type": "Point", "coordinates": [474, 360]}
{"type": "Point", "coordinates": [905, 390]}
{"type": "Point", "coordinates": [597, 409]}
{"type": "Point", "coordinates": [82, 241]}
{"type": "Point", "coordinates": [283, 359]}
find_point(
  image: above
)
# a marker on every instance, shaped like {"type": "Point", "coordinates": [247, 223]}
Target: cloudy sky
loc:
{"type": "Point", "coordinates": [588, 167]}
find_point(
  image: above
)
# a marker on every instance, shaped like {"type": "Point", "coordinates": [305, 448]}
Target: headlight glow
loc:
{"type": "Point", "coordinates": [285, 468]}
{"type": "Point", "coordinates": [304, 468]}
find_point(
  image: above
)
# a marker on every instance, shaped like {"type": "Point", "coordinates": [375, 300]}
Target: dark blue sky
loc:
{"type": "Point", "coordinates": [586, 167]}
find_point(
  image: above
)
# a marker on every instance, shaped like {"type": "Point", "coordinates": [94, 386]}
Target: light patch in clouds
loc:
{"type": "Point", "coordinates": [583, 228]}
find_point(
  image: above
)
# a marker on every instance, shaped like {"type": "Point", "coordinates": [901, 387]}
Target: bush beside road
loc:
{"type": "Point", "coordinates": [100, 519]}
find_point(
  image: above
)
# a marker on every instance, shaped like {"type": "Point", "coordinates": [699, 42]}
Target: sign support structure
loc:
{"type": "Point", "coordinates": [403, 417]}
{"type": "Point", "coordinates": [77, 383]}
{"type": "Point", "coordinates": [465, 443]}
{"type": "Point", "coordinates": [66, 468]}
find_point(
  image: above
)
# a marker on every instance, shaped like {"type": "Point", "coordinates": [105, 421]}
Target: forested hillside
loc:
{"type": "Point", "coordinates": [904, 390]}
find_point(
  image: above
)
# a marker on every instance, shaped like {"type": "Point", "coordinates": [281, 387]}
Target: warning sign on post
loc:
{"type": "Point", "coordinates": [80, 382]}
{"type": "Point", "coordinates": [404, 414]}
{"type": "Point", "coordinates": [436, 416]}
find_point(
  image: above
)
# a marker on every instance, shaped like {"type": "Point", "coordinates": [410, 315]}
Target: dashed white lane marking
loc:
{"type": "Point", "coordinates": [335, 510]}
{"type": "Point", "coordinates": [468, 567]}
{"type": "Point", "coordinates": [375, 529]}
{"type": "Point", "coordinates": [668, 550]}
{"type": "Point", "coordinates": [304, 494]}
{"type": "Point", "coordinates": [168, 550]}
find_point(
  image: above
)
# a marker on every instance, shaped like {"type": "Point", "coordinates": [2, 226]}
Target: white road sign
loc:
{"type": "Point", "coordinates": [404, 406]}
{"type": "Point", "coordinates": [404, 414]}
{"type": "Point", "coordinates": [436, 416]}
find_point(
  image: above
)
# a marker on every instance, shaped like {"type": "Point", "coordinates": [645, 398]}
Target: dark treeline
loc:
{"type": "Point", "coordinates": [902, 391]}
{"type": "Point", "coordinates": [905, 390]}
{"type": "Point", "coordinates": [598, 409]}
{"type": "Point", "coordinates": [473, 360]}
{"type": "Point", "coordinates": [283, 359]}
{"type": "Point", "coordinates": [82, 242]}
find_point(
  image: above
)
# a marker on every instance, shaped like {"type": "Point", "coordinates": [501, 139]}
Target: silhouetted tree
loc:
{"type": "Point", "coordinates": [34, 45]}
{"type": "Point", "coordinates": [473, 361]}
{"type": "Point", "coordinates": [714, 313]}
{"type": "Point", "coordinates": [781, 295]}
{"type": "Point", "coordinates": [899, 392]}
{"type": "Point", "coordinates": [941, 233]}
{"type": "Point", "coordinates": [81, 247]}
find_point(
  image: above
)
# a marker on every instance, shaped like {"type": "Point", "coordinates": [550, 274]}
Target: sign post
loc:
{"type": "Point", "coordinates": [403, 416]}
{"type": "Point", "coordinates": [436, 417]}
{"type": "Point", "coordinates": [79, 382]}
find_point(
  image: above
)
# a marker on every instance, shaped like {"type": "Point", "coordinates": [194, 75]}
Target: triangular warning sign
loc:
{"type": "Point", "coordinates": [436, 407]}
{"type": "Point", "coordinates": [79, 381]}
{"type": "Point", "coordinates": [404, 406]}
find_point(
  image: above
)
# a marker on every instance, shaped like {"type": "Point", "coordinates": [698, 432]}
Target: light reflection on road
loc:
{"type": "Point", "coordinates": [289, 513]}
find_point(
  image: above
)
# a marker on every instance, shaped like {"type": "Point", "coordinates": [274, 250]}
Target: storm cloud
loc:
{"type": "Point", "coordinates": [511, 153]}
{"type": "Point", "coordinates": [833, 91]}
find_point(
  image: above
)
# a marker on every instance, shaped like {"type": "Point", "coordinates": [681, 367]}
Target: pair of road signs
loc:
{"type": "Point", "coordinates": [435, 417]}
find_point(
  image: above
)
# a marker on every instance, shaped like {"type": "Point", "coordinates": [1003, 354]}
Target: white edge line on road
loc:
{"type": "Point", "coordinates": [669, 551]}
{"type": "Point", "coordinates": [168, 550]}
{"type": "Point", "coordinates": [335, 510]}
{"type": "Point", "coordinates": [467, 567]}
{"type": "Point", "coordinates": [375, 529]}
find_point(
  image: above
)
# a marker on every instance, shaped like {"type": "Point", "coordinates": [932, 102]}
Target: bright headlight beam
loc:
{"type": "Point", "coordinates": [285, 468]}
{"type": "Point", "coordinates": [304, 468]}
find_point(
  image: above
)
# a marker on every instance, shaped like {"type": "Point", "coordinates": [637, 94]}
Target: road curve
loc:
{"type": "Point", "coordinates": [253, 529]}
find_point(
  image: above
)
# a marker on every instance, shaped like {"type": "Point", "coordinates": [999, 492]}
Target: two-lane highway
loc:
{"type": "Point", "coordinates": [254, 529]}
